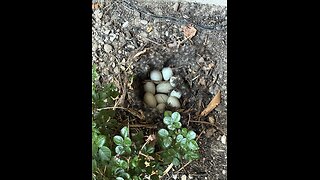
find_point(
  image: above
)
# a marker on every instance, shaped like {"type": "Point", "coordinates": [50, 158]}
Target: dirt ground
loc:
{"type": "Point", "coordinates": [132, 37]}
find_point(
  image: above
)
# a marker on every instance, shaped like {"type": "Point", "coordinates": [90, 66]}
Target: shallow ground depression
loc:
{"type": "Point", "coordinates": [132, 38]}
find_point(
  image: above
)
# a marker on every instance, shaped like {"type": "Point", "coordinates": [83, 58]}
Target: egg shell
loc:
{"type": "Point", "coordinates": [173, 102]}
{"type": "Point", "coordinates": [150, 100]}
{"type": "Point", "coordinates": [176, 94]}
{"type": "Point", "coordinates": [161, 98]}
{"type": "Point", "coordinates": [164, 87]}
{"type": "Point", "coordinates": [167, 73]}
{"type": "Point", "coordinates": [161, 107]}
{"type": "Point", "coordinates": [149, 87]}
{"type": "Point", "coordinates": [155, 75]}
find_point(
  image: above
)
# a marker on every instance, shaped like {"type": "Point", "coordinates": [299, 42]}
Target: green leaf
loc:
{"type": "Point", "coordinates": [177, 125]}
{"type": "Point", "coordinates": [191, 155]}
{"type": "Point", "coordinates": [104, 153]}
{"type": "Point", "coordinates": [127, 141]}
{"type": "Point", "coordinates": [118, 171]}
{"type": "Point", "coordinates": [193, 145]}
{"type": "Point", "coordinates": [127, 150]}
{"type": "Point", "coordinates": [119, 178]}
{"type": "Point", "coordinates": [94, 164]}
{"type": "Point", "coordinates": [171, 127]}
{"type": "Point", "coordinates": [95, 149]}
{"type": "Point", "coordinates": [135, 161]}
{"type": "Point", "coordinates": [176, 162]}
{"type": "Point", "coordinates": [149, 169]}
{"type": "Point", "coordinates": [118, 140]}
{"type": "Point", "coordinates": [119, 149]}
{"type": "Point", "coordinates": [101, 140]}
{"type": "Point", "coordinates": [125, 132]}
{"type": "Point", "coordinates": [167, 142]}
{"type": "Point", "coordinates": [150, 150]}
{"type": "Point", "coordinates": [167, 114]}
{"type": "Point", "coordinates": [154, 177]}
{"type": "Point", "coordinates": [167, 120]}
{"type": "Point", "coordinates": [163, 133]}
{"type": "Point", "coordinates": [175, 116]}
{"type": "Point", "coordinates": [184, 132]}
{"type": "Point", "coordinates": [123, 164]}
{"type": "Point", "coordinates": [183, 141]}
{"type": "Point", "coordinates": [125, 175]}
{"type": "Point", "coordinates": [179, 138]}
{"type": "Point", "coordinates": [191, 135]}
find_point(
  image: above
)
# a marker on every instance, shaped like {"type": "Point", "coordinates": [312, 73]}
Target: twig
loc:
{"type": "Point", "coordinates": [184, 166]}
{"type": "Point", "coordinates": [167, 170]}
{"type": "Point", "coordinates": [151, 40]}
{"type": "Point", "coordinates": [143, 125]}
{"type": "Point", "coordinates": [200, 135]}
{"type": "Point", "coordinates": [146, 156]}
{"type": "Point", "coordinates": [111, 108]}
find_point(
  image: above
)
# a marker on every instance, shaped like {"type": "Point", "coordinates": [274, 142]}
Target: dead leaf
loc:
{"type": "Point", "coordinates": [189, 31]}
{"type": "Point", "coordinates": [136, 113]}
{"type": "Point", "coordinates": [140, 53]}
{"type": "Point", "coordinates": [149, 29]}
{"type": "Point", "coordinates": [213, 104]}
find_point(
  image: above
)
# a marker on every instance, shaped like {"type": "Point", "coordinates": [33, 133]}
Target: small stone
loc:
{"type": "Point", "coordinates": [175, 6]}
{"type": "Point", "coordinates": [144, 34]}
{"type": "Point", "coordinates": [150, 100]}
{"type": "Point", "coordinates": [112, 37]}
{"type": "Point", "coordinates": [107, 48]}
{"type": "Point", "coordinates": [174, 176]}
{"type": "Point", "coordinates": [144, 22]}
{"type": "Point", "coordinates": [209, 133]}
{"type": "Point", "coordinates": [125, 24]}
{"type": "Point", "coordinates": [224, 139]}
{"type": "Point", "coordinates": [94, 46]}
{"type": "Point", "coordinates": [184, 177]}
{"type": "Point", "coordinates": [224, 172]}
{"type": "Point", "coordinates": [161, 98]}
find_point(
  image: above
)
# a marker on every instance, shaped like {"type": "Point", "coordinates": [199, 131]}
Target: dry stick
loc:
{"type": "Point", "coordinates": [203, 122]}
{"type": "Point", "coordinates": [143, 125]}
{"type": "Point", "coordinates": [200, 135]}
{"type": "Point", "coordinates": [184, 166]}
{"type": "Point", "coordinates": [167, 170]}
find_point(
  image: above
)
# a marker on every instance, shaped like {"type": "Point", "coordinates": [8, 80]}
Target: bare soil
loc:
{"type": "Point", "coordinates": [131, 38]}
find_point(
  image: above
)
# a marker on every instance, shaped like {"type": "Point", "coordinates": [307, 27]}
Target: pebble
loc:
{"type": "Point", "coordinates": [224, 139]}
{"type": "Point", "coordinates": [112, 37]}
{"type": "Point", "coordinates": [144, 22]}
{"type": "Point", "coordinates": [184, 177]}
{"type": "Point", "coordinates": [125, 24]}
{"type": "Point", "coordinates": [175, 6]}
{"type": "Point", "coordinates": [107, 48]}
{"type": "Point", "coordinates": [224, 172]}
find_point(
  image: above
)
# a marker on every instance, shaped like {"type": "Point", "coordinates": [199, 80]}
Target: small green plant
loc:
{"type": "Point", "coordinates": [179, 144]}
{"type": "Point", "coordinates": [138, 158]}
